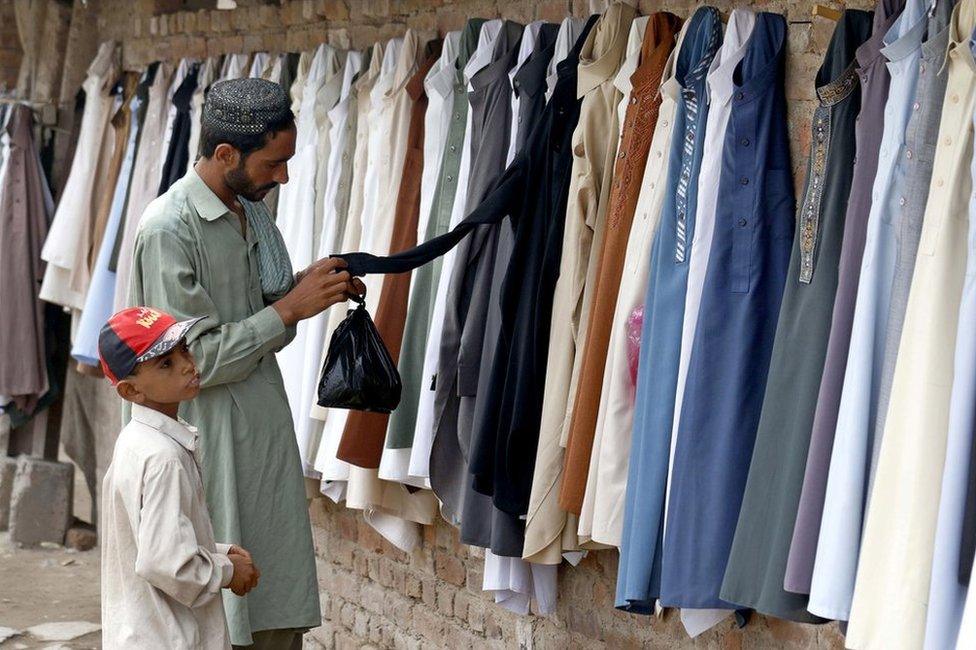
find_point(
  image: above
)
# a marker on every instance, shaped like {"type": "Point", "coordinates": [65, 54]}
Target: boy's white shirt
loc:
{"type": "Point", "coordinates": [162, 571]}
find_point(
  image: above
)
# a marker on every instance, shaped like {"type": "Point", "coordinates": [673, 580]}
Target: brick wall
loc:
{"type": "Point", "coordinates": [10, 52]}
{"type": "Point", "coordinates": [373, 594]}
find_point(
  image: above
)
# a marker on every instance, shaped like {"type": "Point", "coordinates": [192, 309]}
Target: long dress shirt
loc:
{"type": "Point", "coordinates": [162, 571]}
{"type": "Point", "coordinates": [947, 594]}
{"type": "Point", "coordinates": [296, 207]}
{"type": "Point", "coordinates": [443, 131]}
{"type": "Point", "coordinates": [549, 529]}
{"type": "Point", "coordinates": [69, 240]}
{"type": "Point", "coordinates": [632, 152]}
{"type": "Point", "coordinates": [24, 214]}
{"type": "Point", "coordinates": [894, 568]}
{"type": "Point", "coordinates": [746, 271]}
{"type": "Point", "coordinates": [663, 305]}
{"type": "Point", "coordinates": [205, 78]}
{"type": "Point", "coordinates": [569, 32]}
{"type": "Point", "coordinates": [191, 259]}
{"type": "Point", "coordinates": [768, 513]}
{"type": "Point", "coordinates": [874, 78]}
{"type": "Point", "coordinates": [145, 179]}
{"type": "Point", "coordinates": [850, 462]}
{"type": "Point", "coordinates": [335, 472]}
{"type": "Point", "coordinates": [101, 293]}
{"type": "Point", "coordinates": [177, 150]}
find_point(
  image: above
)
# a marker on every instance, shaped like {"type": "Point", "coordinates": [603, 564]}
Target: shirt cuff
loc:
{"type": "Point", "coordinates": [226, 568]}
{"type": "Point", "coordinates": [268, 325]}
{"type": "Point", "coordinates": [223, 549]}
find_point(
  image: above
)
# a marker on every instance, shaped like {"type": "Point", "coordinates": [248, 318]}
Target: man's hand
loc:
{"type": "Point", "coordinates": [320, 286]}
{"type": "Point", "coordinates": [246, 575]}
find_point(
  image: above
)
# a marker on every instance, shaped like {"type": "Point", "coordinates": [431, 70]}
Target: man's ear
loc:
{"type": "Point", "coordinates": [128, 391]}
{"type": "Point", "coordinates": [227, 155]}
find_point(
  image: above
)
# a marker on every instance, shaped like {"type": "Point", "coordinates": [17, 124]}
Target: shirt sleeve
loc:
{"type": "Point", "coordinates": [169, 556]}
{"type": "Point", "coordinates": [224, 352]}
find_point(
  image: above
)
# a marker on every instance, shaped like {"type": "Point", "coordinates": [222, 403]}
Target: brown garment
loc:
{"type": "Point", "coordinates": [635, 144]}
{"type": "Point", "coordinates": [120, 127]}
{"type": "Point", "coordinates": [23, 228]}
{"type": "Point", "coordinates": [364, 434]}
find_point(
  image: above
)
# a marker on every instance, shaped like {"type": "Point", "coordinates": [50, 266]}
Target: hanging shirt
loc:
{"type": "Point", "coordinates": [145, 179]}
{"type": "Point", "coordinates": [874, 80]}
{"type": "Point", "coordinates": [569, 32]}
{"type": "Point", "coordinates": [746, 270]}
{"type": "Point", "coordinates": [205, 78]}
{"type": "Point", "coordinates": [24, 215]}
{"type": "Point", "coordinates": [549, 530]}
{"type": "Point", "coordinates": [848, 482]}
{"type": "Point", "coordinates": [69, 240]}
{"type": "Point", "coordinates": [631, 158]}
{"type": "Point", "coordinates": [663, 312]}
{"type": "Point", "coordinates": [765, 527]}
{"type": "Point", "coordinates": [191, 259]}
{"type": "Point", "coordinates": [447, 92]}
{"type": "Point", "coordinates": [894, 568]}
{"type": "Point", "coordinates": [177, 153]}
{"type": "Point", "coordinates": [98, 302]}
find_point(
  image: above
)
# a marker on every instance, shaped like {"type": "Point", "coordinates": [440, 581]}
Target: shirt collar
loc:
{"type": "Point", "coordinates": [207, 204]}
{"type": "Point", "coordinates": [960, 31]}
{"type": "Point", "coordinates": [486, 45]}
{"type": "Point", "coordinates": [440, 79]}
{"type": "Point", "coordinates": [406, 63]}
{"type": "Point", "coordinates": [720, 76]}
{"type": "Point", "coordinates": [432, 52]}
{"type": "Point", "coordinates": [604, 47]}
{"type": "Point", "coordinates": [669, 78]}
{"type": "Point", "coordinates": [530, 36]}
{"type": "Point", "coordinates": [902, 38]}
{"type": "Point", "coordinates": [569, 31]}
{"type": "Point", "coordinates": [706, 37]}
{"type": "Point", "coordinates": [632, 59]}
{"type": "Point", "coordinates": [505, 50]}
{"type": "Point", "coordinates": [531, 77]}
{"type": "Point", "coordinates": [178, 430]}
{"type": "Point", "coordinates": [885, 14]}
{"type": "Point", "coordinates": [657, 44]}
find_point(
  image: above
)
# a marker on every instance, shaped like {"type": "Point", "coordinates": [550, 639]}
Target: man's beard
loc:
{"type": "Point", "coordinates": [242, 185]}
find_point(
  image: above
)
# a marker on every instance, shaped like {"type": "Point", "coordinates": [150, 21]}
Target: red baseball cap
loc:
{"type": "Point", "coordinates": [135, 335]}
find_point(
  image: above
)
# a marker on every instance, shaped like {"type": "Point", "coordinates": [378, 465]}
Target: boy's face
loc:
{"type": "Point", "coordinates": [168, 379]}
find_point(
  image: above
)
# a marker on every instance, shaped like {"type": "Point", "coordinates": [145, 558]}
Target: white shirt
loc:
{"type": "Point", "coordinates": [182, 70]}
{"type": "Point", "coordinates": [162, 572]}
{"type": "Point", "coordinates": [66, 248]}
{"type": "Point", "coordinates": [439, 86]}
{"type": "Point", "coordinates": [234, 67]}
{"type": "Point", "coordinates": [206, 77]}
{"type": "Point", "coordinates": [424, 431]}
{"type": "Point", "coordinates": [258, 64]}
{"type": "Point", "coordinates": [569, 31]}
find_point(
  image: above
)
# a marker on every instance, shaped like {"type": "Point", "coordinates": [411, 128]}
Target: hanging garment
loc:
{"type": "Point", "coordinates": [448, 95]}
{"type": "Point", "coordinates": [69, 240]}
{"type": "Point", "coordinates": [187, 244]}
{"type": "Point", "coordinates": [364, 431]}
{"type": "Point", "coordinates": [342, 134]}
{"type": "Point", "coordinates": [24, 214]}
{"type": "Point", "coordinates": [205, 78]}
{"type": "Point", "coordinates": [894, 568]}
{"type": "Point", "coordinates": [465, 306]}
{"type": "Point", "coordinates": [874, 78]}
{"type": "Point", "coordinates": [746, 270]}
{"type": "Point", "coordinates": [549, 529]}
{"type": "Point", "coordinates": [639, 81]}
{"type": "Point", "coordinates": [766, 518]}
{"type": "Point", "coordinates": [527, 104]}
{"type": "Point", "coordinates": [324, 224]}
{"type": "Point", "coordinates": [632, 151]}
{"type": "Point", "coordinates": [440, 124]}
{"type": "Point", "coordinates": [296, 201]}
{"type": "Point", "coordinates": [947, 595]}
{"type": "Point", "coordinates": [177, 154]}
{"type": "Point", "coordinates": [334, 472]}
{"type": "Point", "coordinates": [663, 305]}
{"type": "Point", "coordinates": [145, 179]}
{"type": "Point", "coordinates": [615, 419]}
{"type": "Point", "coordinates": [850, 464]}
{"type": "Point", "coordinates": [170, 115]}
{"type": "Point", "coordinates": [98, 303]}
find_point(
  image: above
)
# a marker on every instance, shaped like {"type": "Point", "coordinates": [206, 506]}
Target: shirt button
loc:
{"type": "Point", "coordinates": [665, 123]}
{"type": "Point", "coordinates": [517, 84]}
{"type": "Point", "coordinates": [453, 148]}
{"type": "Point", "coordinates": [744, 142]}
{"type": "Point", "coordinates": [657, 153]}
{"type": "Point", "coordinates": [947, 141]}
{"type": "Point", "coordinates": [921, 68]}
{"type": "Point", "coordinates": [633, 100]}
{"type": "Point", "coordinates": [916, 106]}
{"type": "Point", "coordinates": [743, 222]}
{"type": "Point", "coordinates": [955, 98]}
{"type": "Point", "coordinates": [908, 154]}
{"type": "Point", "coordinates": [901, 201]}
{"type": "Point", "coordinates": [450, 178]}
{"type": "Point", "coordinates": [939, 183]}
{"type": "Point", "coordinates": [744, 180]}
{"type": "Point", "coordinates": [457, 116]}
{"type": "Point", "coordinates": [740, 96]}
{"type": "Point", "coordinates": [622, 154]}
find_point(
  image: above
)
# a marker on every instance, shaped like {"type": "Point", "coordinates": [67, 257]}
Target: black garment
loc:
{"type": "Point", "coordinates": [142, 91]}
{"type": "Point", "coordinates": [177, 155]}
{"type": "Point", "coordinates": [533, 192]}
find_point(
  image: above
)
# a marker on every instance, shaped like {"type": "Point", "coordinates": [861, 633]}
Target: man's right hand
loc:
{"type": "Point", "coordinates": [323, 285]}
{"type": "Point", "coordinates": [245, 576]}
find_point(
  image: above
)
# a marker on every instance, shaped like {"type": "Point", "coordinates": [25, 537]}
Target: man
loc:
{"type": "Point", "coordinates": [208, 247]}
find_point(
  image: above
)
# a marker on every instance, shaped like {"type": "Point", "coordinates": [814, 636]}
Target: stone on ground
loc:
{"type": "Point", "coordinates": [41, 501]}
{"type": "Point", "coordinates": [62, 631]}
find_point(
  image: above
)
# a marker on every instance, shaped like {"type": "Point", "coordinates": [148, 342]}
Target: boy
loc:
{"type": "Point", "coordinates": [162, 572]}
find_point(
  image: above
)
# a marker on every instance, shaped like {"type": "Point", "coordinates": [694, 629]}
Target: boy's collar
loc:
{"type": "Point", "coordinates": [178, 430]}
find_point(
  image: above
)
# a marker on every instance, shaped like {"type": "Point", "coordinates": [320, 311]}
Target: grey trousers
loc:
{"type": "Point", "coordinates": [274, 640]}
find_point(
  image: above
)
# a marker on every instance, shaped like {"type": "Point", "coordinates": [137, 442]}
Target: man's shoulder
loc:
{"type": "Point", "coordinates": [145, 447]}
{"type": "Point", "coordinates": [168, 212]}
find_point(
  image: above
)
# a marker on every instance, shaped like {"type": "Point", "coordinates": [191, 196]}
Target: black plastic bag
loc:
{"type": "Point", "coordinates": [359, 373]}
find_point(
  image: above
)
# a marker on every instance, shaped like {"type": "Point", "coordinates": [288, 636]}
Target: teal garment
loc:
{"type": "Point", "coordinates": [421, 306]}
{"type": "Point", "coordinates": [191, 260]}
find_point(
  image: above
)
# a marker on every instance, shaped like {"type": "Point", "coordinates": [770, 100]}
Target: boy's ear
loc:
{"type": "Point", "coordinates": [127, 391]}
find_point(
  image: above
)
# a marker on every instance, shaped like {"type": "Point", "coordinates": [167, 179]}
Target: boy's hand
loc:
{"type": "Point", "coordinates": [246, 575]}
{"type": "Point", "coordinates": [237, 550]}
